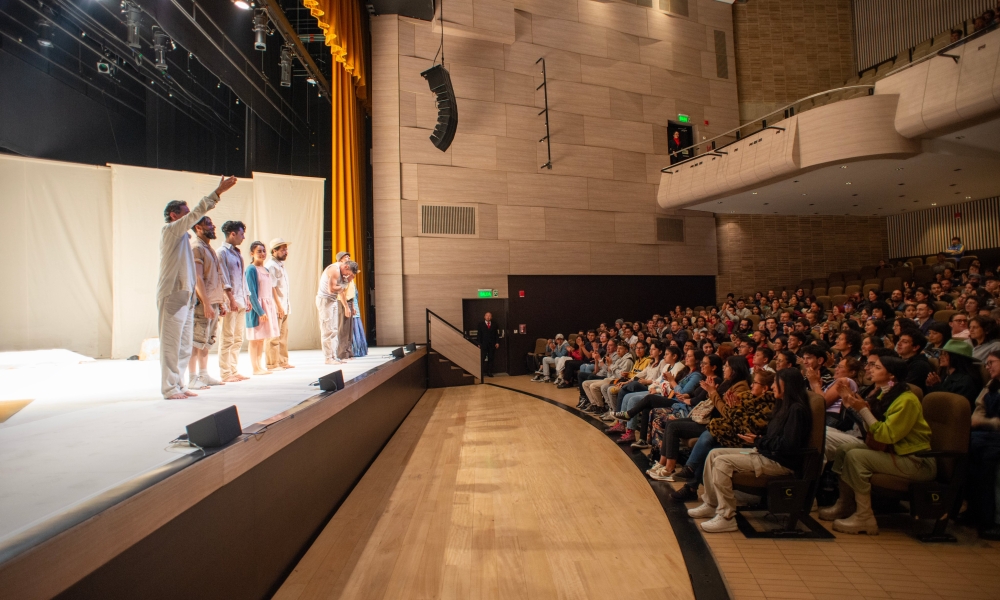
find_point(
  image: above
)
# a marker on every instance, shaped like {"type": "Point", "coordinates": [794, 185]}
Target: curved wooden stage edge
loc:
{"type": "Point", "coordinates": [485, 492]}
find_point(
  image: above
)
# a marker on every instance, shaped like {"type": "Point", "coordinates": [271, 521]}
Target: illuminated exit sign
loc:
{"type": "Point", "coordinates": [485, 293]}
{"type": "Point", "coordinates": [683, 118]}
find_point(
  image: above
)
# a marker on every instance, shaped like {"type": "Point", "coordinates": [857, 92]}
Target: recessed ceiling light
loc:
{"type": "Point", "coordinates": [915, 201]}
{"type": "Point", "coordinates": [754, 193]}
{"type": "Point", "coordinates": [933, 203]}
{"type": "Point", "coordinates": [902, 195]}
{"type": "Point", "coordinates": [853, 194]}
{"type": "Point", "coordinates": [803, 193]}
{"type": "Point", "coordinates": [952, 184]}
{"type": "Point", "coordinates": [848, 183]}
{"type": "Point", "coordinates": [968, 197]}
{"type": "Point", "coordinates": [902, 184]}
{"type": "Point", "coordinates": [880, 208]}
{"type": "Point", "coordinates": [843, 166]}
{"type": "Point", "coordinates": [854, 205]}
{"type": "Point", "coordinates": [796, 181]}
{"type": "Point", "coordinates": [957, 170]}
{"type": "Point", "coordinates": [899, 168]}
{"type": "Point", "coordinates": [959, 137]}
{"type": "Point", "coordinates": [766, 203]}
{"type": "Point", "coordinates": [720, 201]}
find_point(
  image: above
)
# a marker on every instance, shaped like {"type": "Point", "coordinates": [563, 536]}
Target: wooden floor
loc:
{"type": "Point", "coordinates": [888, 566]}
{"type": "Point", "coordinates": [488, 493]}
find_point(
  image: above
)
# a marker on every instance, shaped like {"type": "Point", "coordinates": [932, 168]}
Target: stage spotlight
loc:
{"type": "Point", "coordinates": [311, 80]}
{"type": "Point", "coordinates": [241, 4]}
{"type": "Point", "coordinates": [261, 30]}
{"type": "Point", "coordinates": [45, 34]}
{"type": "Point", "coordinates": [133, 16]}
{"type": "Point", "coordinates": [286, 66]}
{"type": "Point", "coordinates": [103, 68]}
{"type": "Point", "coordinates": [161, 43]}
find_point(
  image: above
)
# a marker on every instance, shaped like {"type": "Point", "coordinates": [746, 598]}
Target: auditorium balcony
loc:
{"type": "Point", "coordinates": [920, 131]}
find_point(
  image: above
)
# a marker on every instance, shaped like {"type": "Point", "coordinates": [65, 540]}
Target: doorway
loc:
{"type": "Point", "coordinates": [473, 310]}
{"type": "Point", "coordinates": [679, 136]}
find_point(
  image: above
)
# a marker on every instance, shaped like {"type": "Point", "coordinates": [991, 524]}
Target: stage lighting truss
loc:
{"type": "Point", "coordinates": [133, 17]}
{"type": "Point", "coordinates": [44, 34]}
{"type": "Point", "coordinates": [161, 44]}
{"type": "Point", "coordinates": [261, 29]}
{"type": "Point", "coordinates": [286, 65]}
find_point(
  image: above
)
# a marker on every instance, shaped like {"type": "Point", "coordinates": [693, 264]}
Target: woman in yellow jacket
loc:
{"type": "Point", "coordinates": [897, 431]}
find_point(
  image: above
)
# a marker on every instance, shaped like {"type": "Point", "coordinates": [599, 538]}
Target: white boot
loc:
{"type": "Point", "coordinates": [844, 507]}
{"type": "Point", "coordinates": [863, 519]}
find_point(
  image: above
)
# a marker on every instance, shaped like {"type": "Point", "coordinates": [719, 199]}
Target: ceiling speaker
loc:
{"type": "Point", "coordinates": [440, 82]}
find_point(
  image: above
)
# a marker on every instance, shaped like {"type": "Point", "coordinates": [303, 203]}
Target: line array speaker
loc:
{"type": "Point", "coordinates": [440, 82]}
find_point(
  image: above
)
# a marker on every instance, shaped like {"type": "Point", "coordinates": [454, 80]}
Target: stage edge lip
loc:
{"type": "Point", "coordinates": [54, 525]}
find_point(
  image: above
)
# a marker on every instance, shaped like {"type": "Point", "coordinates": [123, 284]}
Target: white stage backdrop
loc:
{"type": "Point", "coordinates": [55, 223]}
{"type": "Point", "coordinates": [292, 208]}
{"type": "Point", "coordinates": [83, 247]}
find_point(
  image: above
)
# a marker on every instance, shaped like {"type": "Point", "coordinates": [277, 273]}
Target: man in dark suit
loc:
{"type": "Point", "coordinates": [489, 340]}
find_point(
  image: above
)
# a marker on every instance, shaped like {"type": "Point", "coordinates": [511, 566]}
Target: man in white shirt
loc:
{"type": "Point", "coordinates": [209, 306]}
{"type": "Point", "coordinates": [330, 303]}
{"type": "Point", "coordinates": [277, 348]}
{"type": "Point", "coordinates": [175, 292]}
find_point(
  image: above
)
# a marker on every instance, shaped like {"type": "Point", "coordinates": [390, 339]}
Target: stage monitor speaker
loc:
{"type": "Point", "coordinates": [332, 382]}
{"type": "Point", "coordinates": [447, 124]}
{"type": "Point", "coordinates": [397, 353]}
{"type": "Point", "coordinates": [215, 430]}
{"type": "Point", "coordinates": [411, 347]}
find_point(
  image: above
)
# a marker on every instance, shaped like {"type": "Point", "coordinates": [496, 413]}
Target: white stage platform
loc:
{"type": "Point", "coordinates": [93, 425]}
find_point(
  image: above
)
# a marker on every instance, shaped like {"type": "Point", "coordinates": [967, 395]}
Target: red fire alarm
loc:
{"type": "Point", "coordinates": [706, 121]}
{"type": "Point", "coordinates": [521, 293]}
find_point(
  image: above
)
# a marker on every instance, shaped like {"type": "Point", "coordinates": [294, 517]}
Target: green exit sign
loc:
{"type": "Point", "coordinates": [485, 293]}
{"type": "Point", "coordinates": [683, 118]}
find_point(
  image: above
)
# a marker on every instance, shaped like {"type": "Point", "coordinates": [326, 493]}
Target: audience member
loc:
{"type": "Point", "coordinates": [984, 454]}
{"type": "Point", "coordinates": [960, 370]}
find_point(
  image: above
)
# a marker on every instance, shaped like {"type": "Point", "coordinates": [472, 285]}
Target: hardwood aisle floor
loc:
{"type": "Point", "coordinates": [487, 493]}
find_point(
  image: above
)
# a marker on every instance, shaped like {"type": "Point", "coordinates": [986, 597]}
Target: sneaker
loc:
{"type": "Point", "coordinates": [608, 417]}
{"type": "Point", "coordinates": [626, 437]}
{"type": "Point", "coordinates": [538, 377]}
{"type": "Point", "coordinates": [616, 428]}
{"type": "Point", "coordinates": [719, 524]}
{"type": "Point", "coordinates": [582, 403]}
{"type": "Point", "coordinates": [640, 445]}
{"type": "Point", "coordinates": [683, 494]}
{"type": "Point", "coordinates": [661, 475]}
{"type": "Point", "coordinates": [593, 410]}
{"type": "Point", "coordinates": [704, 511]}
{"type": "Point", "coordinates": [621, 415]}
{"type": "Point", "coordinates": [684, 474]}
{"type": "Point", "coordinates": [654, 469]}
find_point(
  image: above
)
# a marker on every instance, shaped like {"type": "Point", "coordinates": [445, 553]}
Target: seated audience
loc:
{"type": "Point", "coordinates": [777, 452]}
{"type": "Point", "coordinates": [960, 370]}
{"type": "Point", "coordinates": [938, 335]}
{"type": "Point", "coordinates": [910, 348]}
{"type": "Point", "coordinates": [555, 350]}
{"type": "Point", "coordinates": [903, 429]}
{"type": "Point", "coordinates": [984, 455]}
{"type": "Point", "coordinates": [985, 336]}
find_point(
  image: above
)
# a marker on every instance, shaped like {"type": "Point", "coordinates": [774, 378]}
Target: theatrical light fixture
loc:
{"type": "Point", "coordinates": [286, 66]}
{"type": "Point", "coordinates": [311, 80]}
{"type": "Point", "coordinates": [261, 30]}
{"type": "Point", "coordinates": [133, 15]}
{"type": "Point", "coordinates": [161, 43]}
{"type": "Point", "coordinates": [45, 34]}
{"type": "Point", "coordinates": [241, 4]}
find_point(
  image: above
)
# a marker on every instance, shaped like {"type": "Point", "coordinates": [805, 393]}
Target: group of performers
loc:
{"type": "Point", "coordinates": [201, 291]}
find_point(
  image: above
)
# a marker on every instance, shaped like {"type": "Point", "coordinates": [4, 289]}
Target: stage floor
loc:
{"type": "Point", "coordinates": [90, 426]}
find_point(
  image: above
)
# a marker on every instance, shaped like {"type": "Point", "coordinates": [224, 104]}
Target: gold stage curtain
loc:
{"type": "Point", "coordinates": [342, 22]}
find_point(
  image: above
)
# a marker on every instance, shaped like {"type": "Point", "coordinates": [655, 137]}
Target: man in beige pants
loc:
{"type": "Point", "coordinates": [277, 348]}
{"type": "Point", "coordinates": [329, 302]}
{"type": "Point", "coordinates": [345, 329]}
{"type": "Point", "coordinates": [234, 323]}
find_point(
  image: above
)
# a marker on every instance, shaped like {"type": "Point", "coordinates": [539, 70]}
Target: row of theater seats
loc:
{"type": "Point", "coordinates": [885, 279]}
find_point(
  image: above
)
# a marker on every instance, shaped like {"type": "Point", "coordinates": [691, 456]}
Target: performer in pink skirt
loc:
{"type": "Point", "coordinates": [262, 318]}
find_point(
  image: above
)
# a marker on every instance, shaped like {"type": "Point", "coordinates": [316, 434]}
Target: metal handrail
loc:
{"type": "Point", "coordinates": [427, 324]}
{"type": "Point", "coordinates": [762, 118]}
{"type": "Point", "coordinates": [950, 46]}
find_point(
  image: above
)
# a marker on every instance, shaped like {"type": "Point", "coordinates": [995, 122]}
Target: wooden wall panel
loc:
{"type": "Point", "coordinates": [415, 147]}
{"type": "Point", "coordinates": [626, 106]}
{"type": "Point", "coordinates": [556, 191]}
{"type": "Point", "coordinates": [624, 259]}
{"type": "Point", "coordinates": [453, 184]}
{"type": "Point", "coordinates": [475, 83]}
{"type": "Point", "coordinates": [444, 256]}
{"type": "Point", "coordinates": [474, 151]}
{"type": "Point", "coordinates": [549, 258]}
{"type": "Point", "coordinates": [493, 15]}
{"type": "Point", "coordinates": [569, 35]}
{"type": "Point", "coordinates": [488, 226]}
{"type": "Point", "coordinates": [485, 118]}
{"type": "Point", "coordinates": [521, 58]}
{"type": "Point", "coordinates": [614, 133]}
{"type": "Point", "coordinates": [618, 74]}
{"type": "Point", "coordinates": [520, 223]}
{"type": "Point", "coordinates": [582, 161]}
{"type": "Point", "coordinates": [442, 294]}
{"type": "Point", "coordinates": [517, 155]}
{"type": "Point", "coordinates": [635, 228]}
{"type": "Point", "coordinates": [514, 88]}
{"type": "Point", "coordinates": [622, 46]}
{"type": "Point", "coordinates": [576, 98]}
{"type": "Point", "coordinates": [620, 196]}
{"type": "Point", "coordinates": [568, 225]}
{"type": "Point", "coordinates": [630, 166]}
{"type": "Point", "coordinates": [626, 18]}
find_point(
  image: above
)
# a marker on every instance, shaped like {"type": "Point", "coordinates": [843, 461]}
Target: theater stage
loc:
{"type": "Point", "coordinates": [92, 426]}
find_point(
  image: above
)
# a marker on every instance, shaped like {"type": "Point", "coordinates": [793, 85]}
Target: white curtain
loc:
{"type": "Point", "coordinates": [139, 196]}
{"type": "Point", "coordinates": [292, 208]}
{"type": "Point", "coordinates": [55, 226]}
{"type": "Point", "coordinates": [82, 245]}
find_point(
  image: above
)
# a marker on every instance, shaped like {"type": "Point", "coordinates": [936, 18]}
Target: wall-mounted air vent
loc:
{"type": "Point", "coordinates": [448, 220]}
{"type": "Point", "coordinates": [669, 229]}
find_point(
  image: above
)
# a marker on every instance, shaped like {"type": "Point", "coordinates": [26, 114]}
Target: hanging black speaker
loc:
{"type": "Point", "coordinates": [440, 81]}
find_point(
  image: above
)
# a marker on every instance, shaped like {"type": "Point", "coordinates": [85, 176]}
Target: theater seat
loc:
{"type": "Point", "coordinates": [835, 290]}
{"type": "Point", "coordinates": [942, 316]}
{"type": "Point", "coordinates": [839, 299]}
{"type": "Point", "coordinates": [966, 262]}
{"type": "Point", "coordinates": [825, 302]}
{"type": "Point", "coordinates": [949, 416]}
{"type": "Point", "coordinates": [795, 492]}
